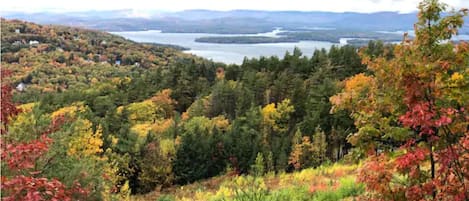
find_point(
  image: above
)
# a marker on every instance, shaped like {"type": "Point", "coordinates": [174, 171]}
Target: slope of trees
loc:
{"type": "Point", "coordinates": [139, 128]}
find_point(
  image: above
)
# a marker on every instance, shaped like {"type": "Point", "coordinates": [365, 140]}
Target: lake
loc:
{"type": "Point", "coordinates": [227, 53]}
{"type": "Point", "coordinates": [235, 53]}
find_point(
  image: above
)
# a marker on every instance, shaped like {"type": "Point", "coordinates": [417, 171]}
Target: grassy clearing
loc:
{"type": "Point", "coordinates": [328, 182]}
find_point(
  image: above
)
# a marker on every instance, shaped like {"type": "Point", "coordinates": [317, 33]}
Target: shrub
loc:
{"type": "Point", "coordinates": [166, 198]}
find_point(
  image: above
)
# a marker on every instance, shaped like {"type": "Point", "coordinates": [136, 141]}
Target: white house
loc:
{"type": "Point", "coordinates": [33, 42]}
{"type": "Point", "coordinates": [21, 87]}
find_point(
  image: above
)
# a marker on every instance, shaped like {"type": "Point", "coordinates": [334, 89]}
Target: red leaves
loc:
{"type": "Point", "coordinates": [57, 122]}
{"type": "Point", "coordinates": [411, 159]}
{"type": "Point", "coordinates": [20, 156]}
{"type": "Point", "coordinates": [445, 65]}
{"type": "Point", "coordinates": [443, 121]}
{"type": "Point", "coordinates": [8, 109]}
{"type": "Point", "coordinates": [423, 116]}
{"type": "Point", "coordinates": [24, 155]}
{"type": "Point", "coordinates": [429, 93]}
{"type": "Point", "coordinates": [376, 173]}
{"type": "Point", "coordinates": [419, 116]}
{"type": "Point", "coordinates": [34, 189]}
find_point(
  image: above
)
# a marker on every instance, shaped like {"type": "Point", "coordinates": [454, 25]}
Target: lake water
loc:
{"type": "Point", "coordinates": [234, 53]}
{"type": "Point", "coordinates": [227, 53]}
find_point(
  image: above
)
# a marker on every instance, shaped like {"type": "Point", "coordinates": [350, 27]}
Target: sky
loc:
{"type": "Point", "coordinates": [141, 6]}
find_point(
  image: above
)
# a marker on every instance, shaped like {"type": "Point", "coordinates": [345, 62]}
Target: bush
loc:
{"type": "Point", "coordinates": [166, 198]}
{"type": "Point", "coordinates": [291, 194]}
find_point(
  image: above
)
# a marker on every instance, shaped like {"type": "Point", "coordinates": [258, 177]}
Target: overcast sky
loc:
{"type": "Point", "coordinates": [177, 5]}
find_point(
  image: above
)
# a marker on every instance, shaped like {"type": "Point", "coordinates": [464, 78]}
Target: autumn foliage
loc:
{"type": "Point", "coordinates": [21, 158]}
{"type": "Point", "coordinates": [412, 115]}
{"type": "Point", "coordinates": [8, 109]}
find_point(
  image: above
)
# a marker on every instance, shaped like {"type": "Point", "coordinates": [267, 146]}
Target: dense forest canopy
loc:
{"type": "Point", "coordinates": [89, 115]}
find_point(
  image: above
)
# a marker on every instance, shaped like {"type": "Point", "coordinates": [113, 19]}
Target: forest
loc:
{"type": "Point", "coordinates": [86, 115]}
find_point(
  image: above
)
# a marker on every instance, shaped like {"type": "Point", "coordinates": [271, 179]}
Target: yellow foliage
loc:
{"type": "Point", "coordinates": [70, 111]}
{"type": "Point", "coordinates": [224, 192]}
{"type": "Point", "coordinates": [178, 140]}
{"type": "Point", "coordinates": [142, 129]}
{"type": "Point", "coordinates": [353, 88]}
{"type": "Point", "coordinates": [94, 80]}
{"type": "Point", "coordinates": [167, 147]}
{"type": "Point", "coordinates": [119, 81]}
{"type": "Point", "coordinates": [125, 191]}
{"type": "Point", "coordinates": [161, 127]}
{"type": "Point", "coordinates": [357, 82]}
{"type": "Point", "coordinates": [85, 142]}
{"type": "Point", "coordinates": [111, 175]}
{"type": "Point", "coordinates": [114, 140]}
{"type": "Point", "coordinates": [23, 126]}
{"type": "Point", "coordinates": [456, 77]}
{"type": "Point", "coordinates": [272, 115]}
{"type": "Point", "coordinates": [198, 108]}
{"type": "Point", "coordinates": [158, 107]}
{"type": "Point", "coordinates": [119, 109]}
{"type": "Point", "coordinates": [269, 113]}
{"type": "Point", "coordinates": [201, 196]}
{"type": "Point", "coordinates": [125, 80]}
{"type": "Point", "coordinates": [142, 111]}
{"type": "Point", "coordinates": [185, 116]}
{"type": "Point", "coordinates": [163, 97]}
{"type": "Point", "coordinates": [28, 107]}
{"type": "Point", "coordinates": [221, 123]}
{"type": "Point", "coordinates": [24, 123]}
{"type": "Point", "coordinates": [116, 80]}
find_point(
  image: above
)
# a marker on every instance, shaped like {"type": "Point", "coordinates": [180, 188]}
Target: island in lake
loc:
{"type": "Point", "coordinates": [244, 39]}
{"type": "Point", "coordinates": [333, 36]}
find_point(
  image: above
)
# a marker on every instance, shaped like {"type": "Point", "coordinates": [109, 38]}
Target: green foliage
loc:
{"type": "Point", "coordinates": [318, 147]}
{"type": "Point", "coordinates": [246, 188]}
{"type": "Point", "coordinates": [258, 168]}
{"type": "Point", "coordinates": [166, 198]}
{"type": "Point", "coordinates": [293, 194]}
{"type": "Point", "coordinates": [200, 152]}
{"type": "Point", "coordinates": [155, 168]}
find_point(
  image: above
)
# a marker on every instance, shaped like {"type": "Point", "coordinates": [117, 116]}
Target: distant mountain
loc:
{"type": "Point", "coordinates": [235, 21]}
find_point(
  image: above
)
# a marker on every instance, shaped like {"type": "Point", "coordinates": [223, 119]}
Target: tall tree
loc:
{"type": "Point", "coordinates": [417, 103]}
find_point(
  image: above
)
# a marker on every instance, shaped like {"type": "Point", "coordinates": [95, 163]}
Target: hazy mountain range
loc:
{"type": "Point", "coordinates": [236, 21]}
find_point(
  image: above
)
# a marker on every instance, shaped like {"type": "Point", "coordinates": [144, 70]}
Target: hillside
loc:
{"type": "Point", "coordinates": [156, 119]}
{"type": "Point", "coordinates": [51, 58]}
{"type": "Point", "coordinates": [325, 183]}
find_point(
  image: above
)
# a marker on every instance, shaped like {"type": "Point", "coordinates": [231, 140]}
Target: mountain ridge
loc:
{"type": "Point", "coordinates": [223, 22]}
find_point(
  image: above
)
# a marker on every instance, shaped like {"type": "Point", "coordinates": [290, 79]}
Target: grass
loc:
{"type": "Point", "coordinates": [328, 182]}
